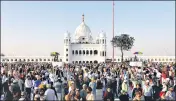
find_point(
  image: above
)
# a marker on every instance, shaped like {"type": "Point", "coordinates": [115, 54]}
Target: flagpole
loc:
{"type": "Point", "coordinates": [113, 31]}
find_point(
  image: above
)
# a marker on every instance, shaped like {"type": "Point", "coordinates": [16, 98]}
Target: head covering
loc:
{"type": "Point", "coordinates": [15, 81]}
{"type": "Point", "coordinates": [37, 96]}
{"type": "Point", "coordinates": [36, 88]}
{"type": "Point", "coordinates": [6, 79]}
{"type": "Point", "coordinates": [170, 87]}
{"type": "Point", "coordinates": [147, 81]}
{"type": "Point", "coordinates": [108, 89]}
{"type": "Point", "coordinates": [48, 85]}
{"type": "Point", "coordinates": [22, 99]}
{"type": "Point", "coordinates": [84, 85]}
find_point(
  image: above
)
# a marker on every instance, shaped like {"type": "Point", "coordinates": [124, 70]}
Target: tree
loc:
{"type": "Point", "coordinates": [124, 42]}
{"type": "Point", "coordinates": [55, 55]}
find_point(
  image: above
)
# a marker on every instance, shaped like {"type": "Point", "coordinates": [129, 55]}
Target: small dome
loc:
{"type": "Point", "coordinates": [67, 34]}
{"type": "Point", "coordinates": [102, 34]}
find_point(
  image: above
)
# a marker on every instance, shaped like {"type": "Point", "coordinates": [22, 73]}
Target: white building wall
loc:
{"type": "Point", "coordinates": [159, 59]}
{"type": "Point", "coordinates": [86, 57]}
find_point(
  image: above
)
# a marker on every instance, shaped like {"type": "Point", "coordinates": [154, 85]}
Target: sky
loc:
{"type": "Point", "coordinates": [36, 28]}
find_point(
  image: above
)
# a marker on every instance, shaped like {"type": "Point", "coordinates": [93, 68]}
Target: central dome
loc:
{"type": "Point", "coordinates": [82, 31]}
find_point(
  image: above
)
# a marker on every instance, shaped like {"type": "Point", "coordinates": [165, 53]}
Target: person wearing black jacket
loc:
{"type": "Point", "coordinates": [156, 90]}
{"type": "Point", "coordinates": [53, 89]}
{"type": "Point", "coordinates": [124, 96]}
{"type": "Point", "coordinates": [8, 95]}
{"type": "Point", "coordinates": [5, 86]}
{"type": "Point", "coordinates": [114, 87]}
{"type": "Point", "coordinates": [138, 87]}
{"type": "Point", "coordinates": [108, 96]}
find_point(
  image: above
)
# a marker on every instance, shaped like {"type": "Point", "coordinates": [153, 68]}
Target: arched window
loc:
{"type": "Point", "coordinates": [87, 52]}
{"type": "Point", "coordinates": [48, 59]}
{"type": "Point", "coordinates": [73, 52]}
{"type": "Point", "coordinates": [103, 41]}
{"type": "Point", "coordinates": [90, 52]}
{"type": "Point", "coordinates": [80, 52]}
{"type": "Point", "coordinates": [3, 59]}
{"type": "Point", "coordinates": [40, 59]}
{"type": "Point", "coordinates": [166, 59]}
{"type": "Point", "coordinates": [11, 59]}
{"type": "Point", "coordinates": [60, 60]}
{"type": "Point", "coordinates": [83, 61]}
{"type": "Point", "coordinates": [24, 59]}
{"type": "Point", "coordinates": [97, 41]}
{"type": "Point", "coordinates": [7, 59]}
{"type": "Point", "coordinates": [118, 59]}
{"type": "Point", "coordinates": [31, 60]}
{"type": "Point", "coordinates": [95, 52]}
{"type": "Point", "coordinates": [103, 53]}
{"type": "Point", "coordinates": [36, 59]}
{"type": "Point", "coordinates": [131, 59]}
{"type": "Point", "coordinates": [90, 61]}
{"type": "Point", "coordinates": [83, 52]}
{"type": "Point", "coordinates": [170, 59]}
{"type": "Point", "coordinates": [76, 52]}
{"type": "Point", "coordinates": [28, 59]}
{"type": "Point", "coordinates": [155, 59]}
{"type": "Point", "coordinates": [73, 62]}
{"type": "Point", "coordinates": [151, 59]}
{"type": "Point", "coordinates": [162, 59]}
{"type": "Point", "coordinates": [44, 59]}
{"type": "Point", "coordinates": [76, 61]}
{"type": "Point", "coordinates": [79, 62]}
{"type": "Point", "coordinates": [159, 59]}
{"type": "Point", "coordinates": [87, 61]}
{"type": "Point", "coordinates": [19, 59]}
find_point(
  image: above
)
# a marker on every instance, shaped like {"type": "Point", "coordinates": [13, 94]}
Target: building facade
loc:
{"type": "Point", "coordinates": [83, 48]}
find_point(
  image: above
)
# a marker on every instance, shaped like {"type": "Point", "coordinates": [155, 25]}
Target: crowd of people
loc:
{"type": "Point", "coordinates": [103, 81]}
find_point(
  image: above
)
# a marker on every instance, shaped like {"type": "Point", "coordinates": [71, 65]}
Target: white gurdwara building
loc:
{"type": "Point", "coordinates": [83, 49]}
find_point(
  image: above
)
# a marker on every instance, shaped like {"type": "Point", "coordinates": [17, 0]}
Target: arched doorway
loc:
{"type": "Point", "coordinates": [95, 61]}
{"type": "Point", "coordinates": [95, 52]}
